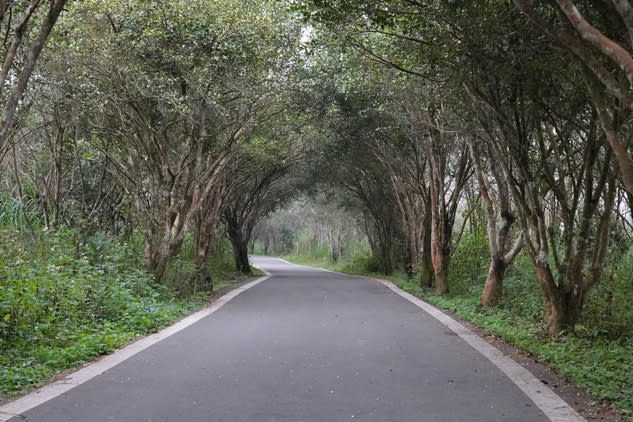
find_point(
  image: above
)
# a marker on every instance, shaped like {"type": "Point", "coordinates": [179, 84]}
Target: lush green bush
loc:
{"type": "Point", "coordinates": [469, 263]}
{"type": "Point", "coordinates": [608, 312]}
{"type": "Point", "coordinates": [64, 301]}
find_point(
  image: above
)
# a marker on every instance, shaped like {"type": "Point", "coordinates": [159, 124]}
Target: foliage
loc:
{"type": "Point", "coordinates": [608, 313]}
{"type": "Point", "coordinates": [471, 261]}
{"type": "Point", "coordinates": [63, 303]}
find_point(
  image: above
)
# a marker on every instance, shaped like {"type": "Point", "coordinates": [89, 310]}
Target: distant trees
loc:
{"type": "Point", "coordinates": [258, 186]}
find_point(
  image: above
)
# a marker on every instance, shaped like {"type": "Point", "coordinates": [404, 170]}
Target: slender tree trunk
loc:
{"type": "Point", "coordinates": [51, 191]}
{"type": "Point", "coordinates": [240, 250]}
{"type": "Point", "coordinates": [493, 289]}
{"type": "Point", "coordinates": [556, 305]}
{"type": "Point", "coordinates": [334, 253]}
{"type": "Point", "coordinates": [563, 305]}
{"type": "Point", "coordinates": [438, 247]}
{"type": "Point", "coordinates": [154, 261]}
{"type": "Point", "coordinates": [426, 270]}
{"type": "Point", "coordinates": [241, 258]}
{"type": "Point", "coordinates": [159, 250]}
{"type": "Point", "coordinates": [203, 274]}
{"type": "Point", "coordinates": [11, 103]}
{"type": "Point", "coordinates": [202, 277]}
{"type": "Point", "coordinates": [440, 273]}
{"type": "Point", "coordinates": [385, 253]}
{"type": "Point", "coordinates": [499, 220]}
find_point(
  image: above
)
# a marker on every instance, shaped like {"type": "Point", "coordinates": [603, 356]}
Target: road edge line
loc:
{"type": "Point", "coordinates": [18, 406]}
{"type": "Point", "coordinates": [554, 407]}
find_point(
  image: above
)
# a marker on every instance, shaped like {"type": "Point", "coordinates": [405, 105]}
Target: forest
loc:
{"type": "Point", "coordinates": [477, 153]}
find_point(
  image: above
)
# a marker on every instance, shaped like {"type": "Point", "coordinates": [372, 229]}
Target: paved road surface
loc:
{"type": "Point", "coordinates": [303, 346]}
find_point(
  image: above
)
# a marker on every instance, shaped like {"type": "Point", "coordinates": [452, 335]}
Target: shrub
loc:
{"type": "Point", "coordinates": [608, 312]}
{"type": "Point", "coordinates": [63, 303]}
{"type": "Point", "coordinates": [469, 264]}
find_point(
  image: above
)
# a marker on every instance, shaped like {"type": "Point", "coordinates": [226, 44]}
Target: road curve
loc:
{"type": "Point", "coordinates": [305, 345]}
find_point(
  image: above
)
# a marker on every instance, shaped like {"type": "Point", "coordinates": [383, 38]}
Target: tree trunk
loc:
{"type": "Point", "coordinates": [440, 273]}
{"type": "Point", "coordinates": [334, 253]}
{"type": "Point", "coordinates": [439, 258]}
{"type": "Point", "coordinates": [562, 306]}
{"type": "Point", "coordinates": [155, 259]}
{"type": "Point", "coordinates": [204, 282]}
{"type": "Point", "coordinates": [493, 289]}
{"type": "Point", "coordinates": [202, 277]}
{"type": "Point", "coordinates": [23, 75]}
{"type": "Point", "coordinates": [426, 272]}
{"type": "Point", "coordinates": [409, 266]}
{"type": "Point", "coordinates": [240, 252]}
{"type": "Point", "coordinates": [241, 257]}
{"type": "Point", "coordinates": [159, 250]}
{"type": "Point", "coordinates": [385, 256]}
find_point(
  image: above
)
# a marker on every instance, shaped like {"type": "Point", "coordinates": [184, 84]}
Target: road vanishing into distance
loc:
{"type": "Point", "coordinates": [305, 345]}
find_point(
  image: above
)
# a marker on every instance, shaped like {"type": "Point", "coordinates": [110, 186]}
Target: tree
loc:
{"type": "Point", "coordinates": [259, 185]}
{"type": "Point", "coordinates": [500, 219]}
{"type": "Point", "coordinates": [604, 49]}
{"type": "Point", "coordinates": [563, 184]}
{"type": "Point", "coordinates": [19, 21]}
{"type": "Point", "coordinates": [180, 90]}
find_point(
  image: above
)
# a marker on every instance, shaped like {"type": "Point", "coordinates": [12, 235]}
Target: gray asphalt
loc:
{"type": "Point", "coordinates": [303, 346]}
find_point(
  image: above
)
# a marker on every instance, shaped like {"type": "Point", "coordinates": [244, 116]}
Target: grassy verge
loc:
{"type": "Point", "coordinates": [595, 363]}
{"type": "Point", "coordinates": [62, 305]}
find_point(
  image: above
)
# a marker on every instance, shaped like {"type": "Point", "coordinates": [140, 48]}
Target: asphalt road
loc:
{"type": "Point", "coordinates": [303, 346]}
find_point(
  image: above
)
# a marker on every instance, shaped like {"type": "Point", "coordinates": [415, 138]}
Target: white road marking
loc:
{"type": "Point", "coordinates": [50, 391]}
{"type": "Point", "coordinates": [556, 409]}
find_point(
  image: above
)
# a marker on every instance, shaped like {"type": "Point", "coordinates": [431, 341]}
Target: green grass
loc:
{"type": "Point", "coordinates": [236, 277]}
{"type": "Point", "coordinates": [601, 365]}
